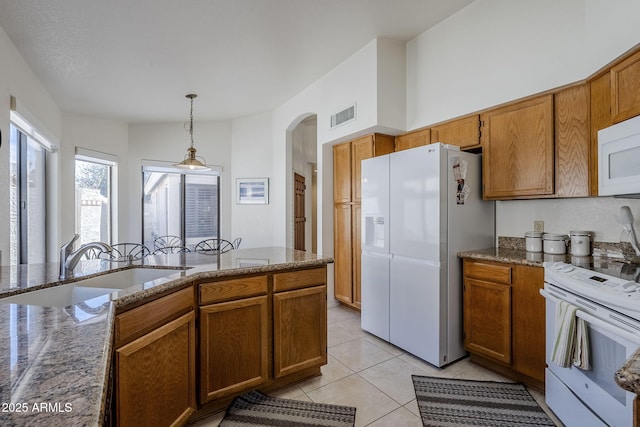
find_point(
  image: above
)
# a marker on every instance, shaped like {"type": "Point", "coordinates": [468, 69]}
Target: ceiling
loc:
{"type": "Point", "coordinates": [135, 60]}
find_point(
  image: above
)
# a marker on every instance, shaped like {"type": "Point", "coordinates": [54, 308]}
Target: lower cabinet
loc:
{"type": "Point", "coordinates": [300, 329]}
{"type": "Point", "coordinates": [155, 362]}
{"type": "Point", "coordinates": [504, 319]}
{"type": "Point", "coordinates": [252, 332]}
{"type": "Point", "coordinates": [234, 350]}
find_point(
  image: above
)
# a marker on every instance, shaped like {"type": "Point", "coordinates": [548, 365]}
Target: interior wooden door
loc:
{"type": "Point", "coordinates": [299, 218]}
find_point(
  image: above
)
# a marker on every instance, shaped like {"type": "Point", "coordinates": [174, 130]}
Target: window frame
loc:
{"type": "Point", "coordinates": [26, 134]}
{"type": "Point", "coordinates": [166, 167]}
{"type": "Point", "coordinates": [106, 159]}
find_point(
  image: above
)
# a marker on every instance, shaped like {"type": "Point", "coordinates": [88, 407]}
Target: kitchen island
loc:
{"type": "Point", "coordinates": [57, 360]}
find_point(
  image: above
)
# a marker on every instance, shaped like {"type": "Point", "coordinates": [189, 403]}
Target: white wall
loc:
{"type": "Point", "coordinates": [596, 214]}
{"type": "Point", "coordinates": [169, 142]}
{"type": "Point", "coordinates": [251, 157]}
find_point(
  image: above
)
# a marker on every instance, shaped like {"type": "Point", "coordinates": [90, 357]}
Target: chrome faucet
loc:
{"type": "Point", "coordinates": [70, 258]}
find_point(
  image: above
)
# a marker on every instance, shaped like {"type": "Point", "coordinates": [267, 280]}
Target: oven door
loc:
{"type": "Point", "coordinates": [610, 345]}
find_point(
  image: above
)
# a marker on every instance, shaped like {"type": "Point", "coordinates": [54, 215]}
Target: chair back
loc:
{"type": "Point", "coordinates": [95, 253]}
{"type": "Point", "coordinates": [126, 250]}
{"type": "Point", "coordinates": [213, 246]}
{"type": "Point", "coordinates": [171, 250]}
{"type": "Point", "coordinates": [167, 241]}
{"type": "Point", "coordinates": [236, 242]}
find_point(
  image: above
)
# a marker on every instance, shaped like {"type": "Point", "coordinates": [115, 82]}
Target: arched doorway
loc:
{"type": "Point", "coordinates": [302, 206]}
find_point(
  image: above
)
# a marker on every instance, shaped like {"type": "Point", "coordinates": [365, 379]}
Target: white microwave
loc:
{"type": "Point", "coordinates": [619, 159]}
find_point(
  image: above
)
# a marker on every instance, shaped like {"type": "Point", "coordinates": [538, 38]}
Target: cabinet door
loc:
{"type": "Point", "coordinates": [299, 330]}
{"type": "Point", "coordinates": [342, 173]}
{"type": "Point", "coordinates": [625, 89]}
{"type": "Point", "coordinates": [518, 150]}
{"type": "Point", "coordinates": [600, 118]}
{"type": "Point", "coordinates": [528, 321]}
{"type": "Point", "coordinates": [464, 133]}
{"type": "Point", "coordinates": [234, 347]}
{"type": "Point", "coordinates": [356, 250]}
{"type": "Point", "coordinates": [572, 142]}
{"type": "Point", "coordinates": [413, 139]}
{"type": "Point", "coordinates": [155, 376]}
{"type": "Point", "coordinates": [342, 253]}
{"type": "Point", "coordinates": [361, 149]}
{"type": "Point", "coordinates": [487, 319]}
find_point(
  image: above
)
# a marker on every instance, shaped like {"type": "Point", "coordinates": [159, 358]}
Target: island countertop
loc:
{"type": "Point", "coordinates": [56, 360]}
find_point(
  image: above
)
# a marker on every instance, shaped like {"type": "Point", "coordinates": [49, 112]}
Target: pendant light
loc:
{"type": "Point", "coordinates": [191, 161]}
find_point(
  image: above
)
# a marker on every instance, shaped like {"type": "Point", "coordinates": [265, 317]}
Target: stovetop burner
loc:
{"type": "Point", "coordinates": [610, 284]}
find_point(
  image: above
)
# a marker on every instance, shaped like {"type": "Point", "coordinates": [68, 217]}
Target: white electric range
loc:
{"type": "Point", "coordinates": [607, 297]}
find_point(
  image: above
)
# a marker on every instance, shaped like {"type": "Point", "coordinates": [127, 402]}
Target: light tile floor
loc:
{"type": "Point", "coordinates": [372, 375]}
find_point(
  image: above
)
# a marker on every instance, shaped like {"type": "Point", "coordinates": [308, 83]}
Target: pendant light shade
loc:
{"type": "Point", "coordinates": [191, 161]}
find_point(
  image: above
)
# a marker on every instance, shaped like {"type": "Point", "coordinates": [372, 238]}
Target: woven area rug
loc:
{"type": "Point", "coordinates": [453, 402]}
{"type": "Point", "coordinates": [256, 409]}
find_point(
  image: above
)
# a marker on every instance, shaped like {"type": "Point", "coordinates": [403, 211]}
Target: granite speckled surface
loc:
{"type": "Point", "coordinates": [511, 250]}
{"type": "Point", "coordinates": [55, 360]}
{"type": "Point", "coordinates": [628, 376]}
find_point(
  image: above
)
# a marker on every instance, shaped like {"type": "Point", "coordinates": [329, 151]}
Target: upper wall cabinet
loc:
{"type": "Point", "coordinates": [413, 139]}
{"type": "Point", "coordinates": [464, 132]}
{"type": "Point", "coordinates": [572, 151]}
{"type": "Point", "coordinates": [518, 150]}
{"type": "Point", "coordinates": [625, 89]}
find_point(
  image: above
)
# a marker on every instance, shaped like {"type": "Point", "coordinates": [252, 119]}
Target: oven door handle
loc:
{"type": "Point", "coordinates": [618, 331]}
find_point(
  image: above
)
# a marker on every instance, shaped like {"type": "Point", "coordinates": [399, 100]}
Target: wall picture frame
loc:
{"type": "Point", "coordinates": [252, 191]}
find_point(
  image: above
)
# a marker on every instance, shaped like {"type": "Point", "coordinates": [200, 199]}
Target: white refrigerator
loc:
{"type": "Point", "coordinates": [420, 207]}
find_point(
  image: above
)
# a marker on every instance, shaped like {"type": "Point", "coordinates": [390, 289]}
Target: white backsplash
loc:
{"type": "Point", "coordinates": [595, 214]}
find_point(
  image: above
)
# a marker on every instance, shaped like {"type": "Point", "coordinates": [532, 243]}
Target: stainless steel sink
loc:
{"type": "Point", "coordinates": [87, 289]}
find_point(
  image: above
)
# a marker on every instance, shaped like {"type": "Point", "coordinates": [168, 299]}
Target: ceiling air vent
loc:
{"type": "Point", "coordinates": [343, 116]}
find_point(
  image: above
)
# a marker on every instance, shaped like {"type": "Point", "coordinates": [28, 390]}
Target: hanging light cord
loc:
{"type": "Point", "coordinates": [191, 119]}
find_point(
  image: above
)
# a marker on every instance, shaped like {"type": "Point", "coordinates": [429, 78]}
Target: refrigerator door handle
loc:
{"type": "Point", "coordinates": [417, 260]}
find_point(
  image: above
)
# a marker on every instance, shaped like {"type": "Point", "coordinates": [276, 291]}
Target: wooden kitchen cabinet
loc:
{"type": "Point", "coordinates": [600, 115]}
{"type": "Point", "coordinates": [463, 132]}
{"type": "Point", "coordinates": [572, 143]}
{"type": "Point", "coordinates": [625, 89]}
{"type": "Point", "coordinates": [487, 310]}
{"type": "Point", "coordinates": [343, 272]}
{"type": "Point", "coordinates": [299, 321]}
{"type": "Point", "coordinates": [155, 362]}
{"type": "Point", "coordinates": [234, 336]}
{"type": "Point", "coordinates": [504, 319]}
{"type": "Point", "coordinates": [347, 157]}
{"type": "Point", "coordinates": [518, 149]}
{"type": "Point", "coordinates": [413, 139]}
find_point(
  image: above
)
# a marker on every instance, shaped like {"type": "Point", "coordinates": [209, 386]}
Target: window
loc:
{"type": "Point", "coordinates": [94, 196]}
{"type": "Point", "coordinates": [178, 203]}
{"type": "Point", "coordinates": [28, 152]}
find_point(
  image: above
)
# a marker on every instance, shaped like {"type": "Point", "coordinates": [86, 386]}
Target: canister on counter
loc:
{"type": "Point", "coordinates": [553, 243]}
{"type": "Point", "coordinates": [580, 243]}
{"type": "Point", "coordinates": [533, 241]}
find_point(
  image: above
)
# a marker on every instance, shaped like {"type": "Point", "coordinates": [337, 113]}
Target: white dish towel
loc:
{"type": "Point", "coordinates": [571, 344]}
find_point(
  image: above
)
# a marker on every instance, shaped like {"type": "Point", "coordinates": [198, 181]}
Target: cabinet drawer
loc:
{"type": "Point", "coordinates": [226, 290]}
{"type": "Point", "coordinates": [139, 321]}
{"type": "Point", "coordinates": [491, 272]}
{"type": "Point", "coordinates": [299, 279]}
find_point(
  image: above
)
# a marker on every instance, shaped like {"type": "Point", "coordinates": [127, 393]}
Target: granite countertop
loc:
{"type": "Point", "coordinates": [628, 375]}
{"type": "Point", "coordinates": [56, 359]}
